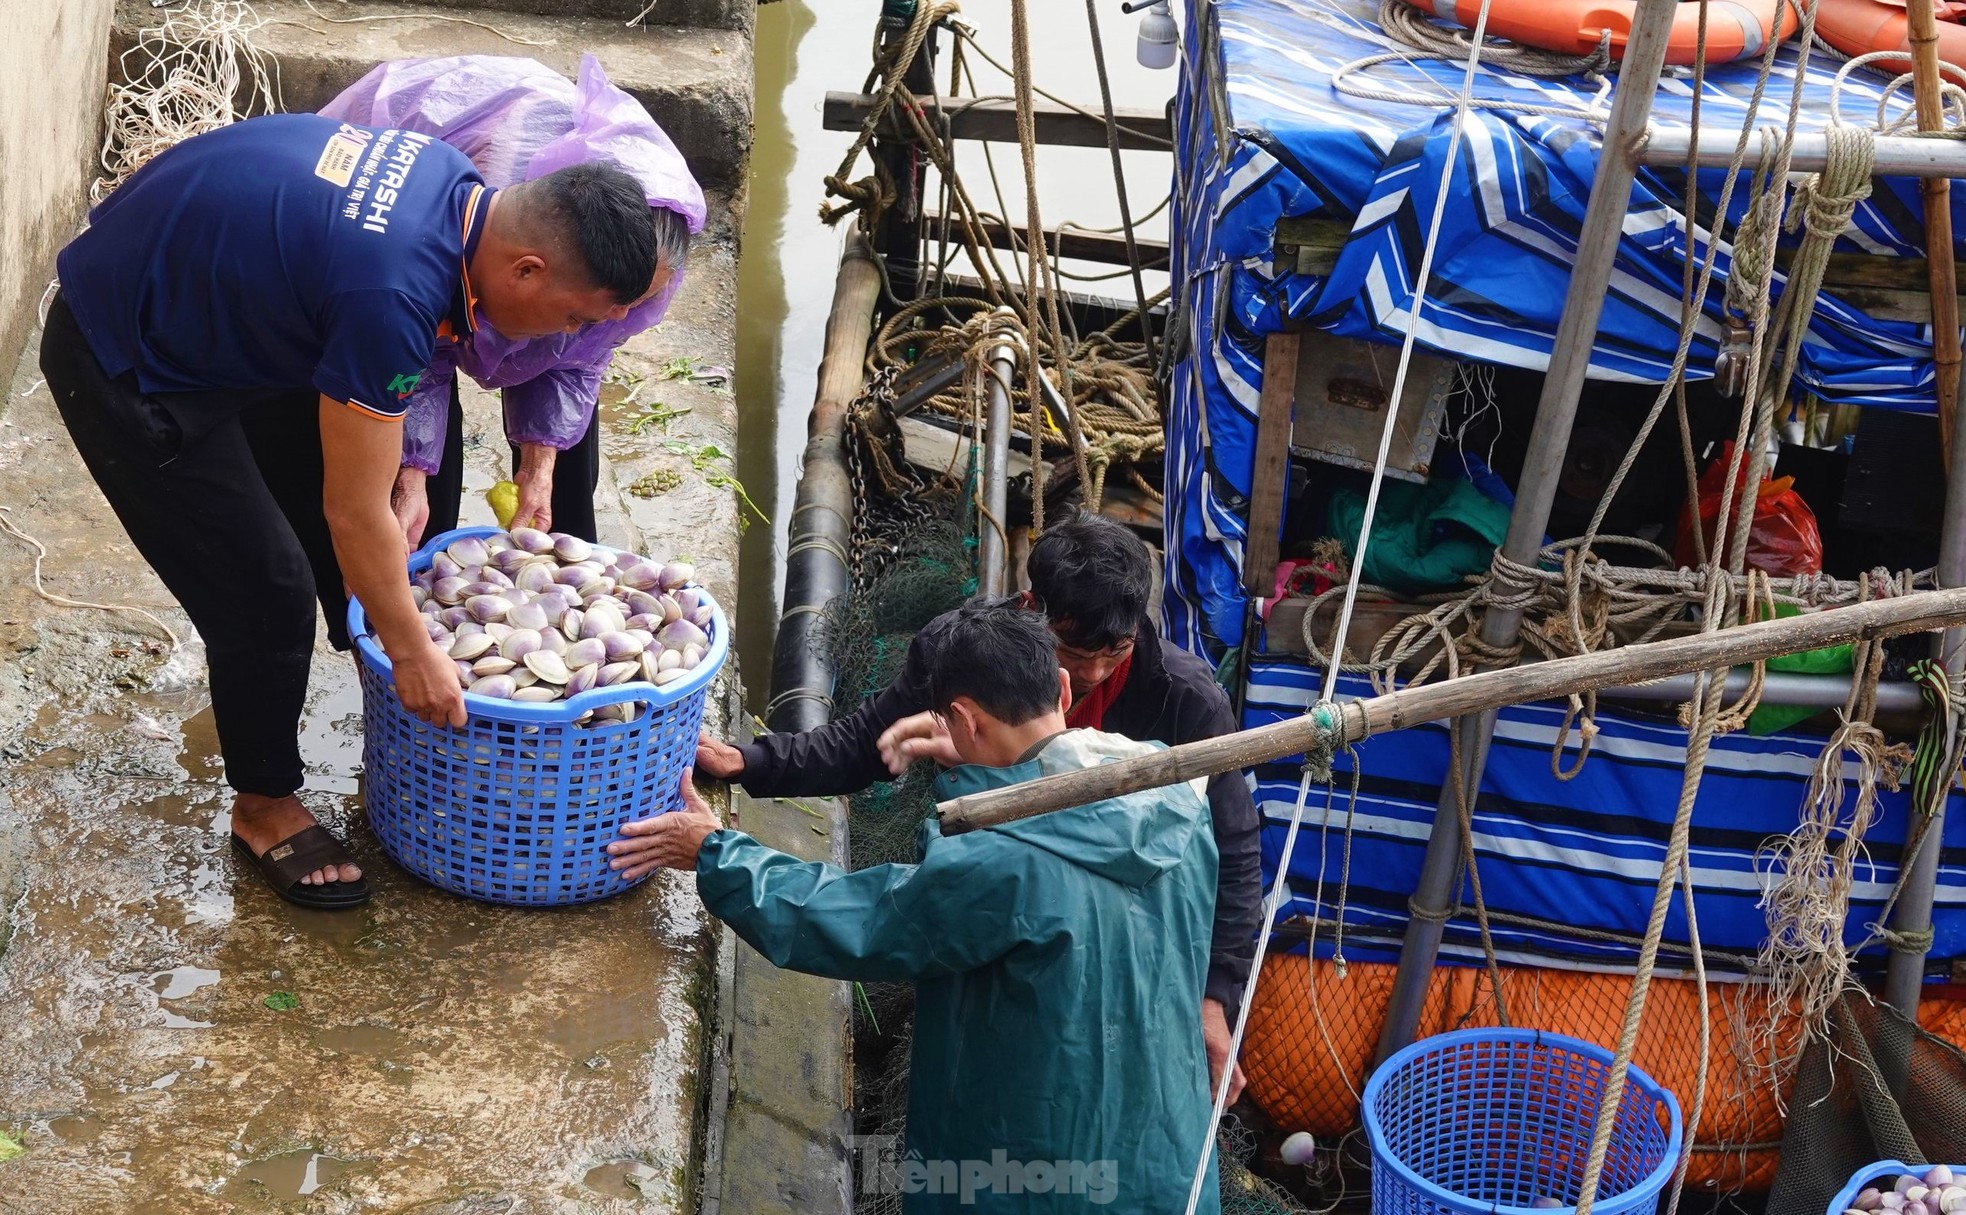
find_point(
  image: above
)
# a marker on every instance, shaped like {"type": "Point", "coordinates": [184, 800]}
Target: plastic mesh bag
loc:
{"type": "Point", "coordinates": [1877, 1087]}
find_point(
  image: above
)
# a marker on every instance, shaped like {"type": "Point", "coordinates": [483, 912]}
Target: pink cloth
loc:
{"type": "Point", "coordinates": [517, 120]}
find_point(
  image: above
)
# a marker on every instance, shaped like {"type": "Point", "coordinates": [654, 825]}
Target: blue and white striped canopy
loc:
{"type": "Point", "coordinates": [1261, 135]}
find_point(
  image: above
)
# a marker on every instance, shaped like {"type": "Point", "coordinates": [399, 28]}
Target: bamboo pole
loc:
{"type": "Point", "coordinates": [1478, 693]}
{"type": "Point", "coordinates": [1923, 34]}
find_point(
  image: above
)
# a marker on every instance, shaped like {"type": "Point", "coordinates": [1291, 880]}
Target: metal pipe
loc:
{"type": "Point", "coordinates": [1896, 155]}
{"type": "Point", "coordinates": [1780, 688]}
{"type": "Point", "coordinates": [817, 562]}
{"type": "Point", "coordinates": [992, 547]}
{"type": "Point", "coordinates": [1590, 280]}
{"type": "Point", "coordinates": [1904, 977]}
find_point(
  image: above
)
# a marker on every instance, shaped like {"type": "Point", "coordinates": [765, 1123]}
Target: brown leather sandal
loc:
{"type": "Point", "coordinates": [293, 858]}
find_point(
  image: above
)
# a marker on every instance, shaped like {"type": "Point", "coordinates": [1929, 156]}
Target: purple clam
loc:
{"type": "Point", "coordinates": [582, 679]}
{"type": "Point", "coordinates": [671, 660]}
{"type": "Point", "coordinates": [550, 667]}
{"type": "Point", "coordinates": [554, 640]}
{"type": "Point", "coordinates": [443, 567]}
{"type": "Point", "coordinates": [702, 616]}
{"type": "Point", "coordinates": [587, 652]}
{"type": "Point", "coordinates": [571, 623]}
{"type": "Point", "coordinates": [664, 678]}
{"type": "Point", "coordinates": [509, 561]}
{"type": "Point", "coordinates": [521, 643]}
{"type": "Point", "coordinates": [687, 600]}
{"type": "Point", "coordinates": [498, 630]}
{"type": "Point", "coordinates": [471, 646]}
{"type": "Point", "coordinates": [497, 687]}
{"type": "Point", "coordinates": [641, 603]}
{"type": "Point", "coordinates": [465, 674]}
{"type": "Point", "coordinates": [619, 672]}
{"type": "Point", "coordinates": [622, 646]}
{"type": "Point", "coordinates": [454, 616]}
{"type": "Point", "coordinates": [571, 548]}
{"type": "Point", "coordinates": [527, 615]}
{"type": "Point", "coordinates": [677, 574]}
{"type": "Point", "coordinates": [469, 551]}
{"type": "Point", "coordinates": [534, 577]}
{"type": "Point", "coordinates": [693, 656]}
{"type": "Point", "coordinates": [491, 576]}
{"type": "Point", "coordinates": [680, 633]}
{"type": "Point", "coordinates": [647, 624]}
{"type": "Point", "coordinates": [531, 540]}
{"type": "Point", "coordinates": [537, 694]}
{"type": "Point", "coordinates": [487, 608]}
{"type": "Point", "coordinates": [639, 576]}
{"type": "Point", "coordinates": [651, 663]}
{"type": "Point", "coordinates": [492, 664]}
{"type": "Point", "coordinates": [449, 590]}
{"type": "Point", "coordinates": [438, 634]}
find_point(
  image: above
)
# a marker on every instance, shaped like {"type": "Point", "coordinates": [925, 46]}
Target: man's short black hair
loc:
{"type": "Point", "coordinates": [997, 654]}
{"type": "Point", "coordinates": [602, 215]}
{"type": "Point", "coordinates": [1093, 576]}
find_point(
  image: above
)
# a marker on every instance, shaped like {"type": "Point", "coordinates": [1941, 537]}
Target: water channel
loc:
{"type": "Point", "coordinates": [785, 283]}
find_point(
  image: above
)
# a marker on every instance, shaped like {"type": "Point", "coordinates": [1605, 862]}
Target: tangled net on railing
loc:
{"type": "Point", "coordinates": [1111, 393]}
{"type": "Point", "coordinates": [195, 72]}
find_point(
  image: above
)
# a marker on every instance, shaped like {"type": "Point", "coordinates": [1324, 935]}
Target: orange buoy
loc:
{"type": "Point", "coordinates": [1574, 27]}
{"type": "Point", "coordinates": [1858, 27]}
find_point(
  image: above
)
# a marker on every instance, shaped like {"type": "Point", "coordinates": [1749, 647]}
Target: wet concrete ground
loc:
{"type": "Point", "coordinates": [174, 1039]}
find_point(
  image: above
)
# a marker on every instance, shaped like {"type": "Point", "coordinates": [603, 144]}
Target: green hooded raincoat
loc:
{"type": "Point", "coordinates": [1059, 964]}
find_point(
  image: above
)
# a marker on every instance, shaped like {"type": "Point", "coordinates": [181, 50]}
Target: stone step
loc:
{"type": "Point", "coordinates": [696, 83]}
{"type": "Point", "coordinates": [703, 14]}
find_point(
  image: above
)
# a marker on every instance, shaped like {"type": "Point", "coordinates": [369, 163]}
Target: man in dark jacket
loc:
{"type": "Point", "coordinates": [1092, 577]}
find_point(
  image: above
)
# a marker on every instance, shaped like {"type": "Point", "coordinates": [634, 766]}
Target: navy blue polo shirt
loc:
{"type": "Point", "coordinates": [280, 253]}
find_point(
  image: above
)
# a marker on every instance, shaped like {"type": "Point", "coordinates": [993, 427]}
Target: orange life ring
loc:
{"type": "Point", "coordinates": [1858, 27]}
{"type": "Point", "coordinates": [1735, 29]}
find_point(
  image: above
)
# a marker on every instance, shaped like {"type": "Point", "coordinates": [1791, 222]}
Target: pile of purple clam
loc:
{"type": "Point", "coordinates": [1933, 1192]}
{"type": "Point", "coordinates": [535, 617]}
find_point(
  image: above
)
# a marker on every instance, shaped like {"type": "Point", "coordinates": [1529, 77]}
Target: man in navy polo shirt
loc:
{"type": "Point", "coordinates": [266, 295]}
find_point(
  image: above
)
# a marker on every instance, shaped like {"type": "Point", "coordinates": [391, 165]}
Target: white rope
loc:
{"type": "Point", "coordinates": [1279, 887]}
{"type": "Point", "coordinates": [1461, 107]}
{"type": "Point", "coordinates": [1271, 904]}
{"type": "Point", "coordinates": [9, 527]}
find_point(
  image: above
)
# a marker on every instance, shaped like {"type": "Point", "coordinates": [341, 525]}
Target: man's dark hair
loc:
{"type": "Point", "coordinates": [601, 215]}
{"type": "Point", "coordinates": [997, 654]}
{"type": "Point", "coordinates": [1093, 576]}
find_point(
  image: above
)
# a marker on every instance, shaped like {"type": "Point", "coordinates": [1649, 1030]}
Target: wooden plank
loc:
{"type": "Point", "coordinates": [1269, 476]}
{"type": "Point", "coordinates": [995, 121]}
{"type": "Point", "coordinates": [1923, 611]}
{"type": "Point", "coordinates": [1105, 247]}
{"type": "Point", "coordinates": [937, 450]}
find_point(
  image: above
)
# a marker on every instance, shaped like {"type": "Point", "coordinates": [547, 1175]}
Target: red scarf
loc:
{"type": "Point", "coordinates": [1088, 712]}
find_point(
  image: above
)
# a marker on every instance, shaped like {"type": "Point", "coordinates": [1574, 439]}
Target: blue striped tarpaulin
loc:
{"type": "Point", "coordinates": [1584, 854]}
{"type": "Point", "coordinates": [1261, 134]}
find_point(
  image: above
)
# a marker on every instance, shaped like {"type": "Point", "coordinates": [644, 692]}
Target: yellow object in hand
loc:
{"type": "Point", "coordinates": [504, 500]}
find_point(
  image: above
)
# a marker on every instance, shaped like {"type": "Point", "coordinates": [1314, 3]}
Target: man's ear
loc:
{"type": "Point", "coordinates": [1064, 690]}
{"type": "Point", "coordinates": [964, 710]}
{"type": "Point", "coordinates": [529, 266]}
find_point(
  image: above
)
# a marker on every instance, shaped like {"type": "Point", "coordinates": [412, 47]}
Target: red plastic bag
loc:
{"type": "Point", "coordinates": [1783, 539]}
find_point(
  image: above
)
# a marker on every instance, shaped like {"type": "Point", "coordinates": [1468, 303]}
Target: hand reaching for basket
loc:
{"type": "Point", "coordinates": [667, 841]}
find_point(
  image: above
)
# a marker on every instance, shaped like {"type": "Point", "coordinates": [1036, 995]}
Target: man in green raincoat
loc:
{"type": "Point", "coordinates": [1058, 961]}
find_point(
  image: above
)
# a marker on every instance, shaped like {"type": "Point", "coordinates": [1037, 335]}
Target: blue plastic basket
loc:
{"type": "Point", "coordinates": [518, 805]}
{"type": "Point", "coordinates": [1884, 1174]}
{"type": "Point", "coordinates": [1496, 1120]}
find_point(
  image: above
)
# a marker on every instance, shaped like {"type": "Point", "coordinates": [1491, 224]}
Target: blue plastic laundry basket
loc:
{"type": "Point", "coordinates": [1884, 1174]}
{"type": "Point", "coordinates": [519, 804]}
{"type": "Point", "coordinates": [1494, 1120]}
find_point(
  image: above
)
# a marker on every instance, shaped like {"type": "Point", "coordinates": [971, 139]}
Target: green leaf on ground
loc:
{"type": "Point", "coordinates": [283, 1001]}
{"type": "Point", "coordinates": [10, 1147]}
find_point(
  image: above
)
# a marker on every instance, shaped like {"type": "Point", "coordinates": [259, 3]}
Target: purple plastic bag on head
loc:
{"type": "Point", "coordinates": [517, 120]}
